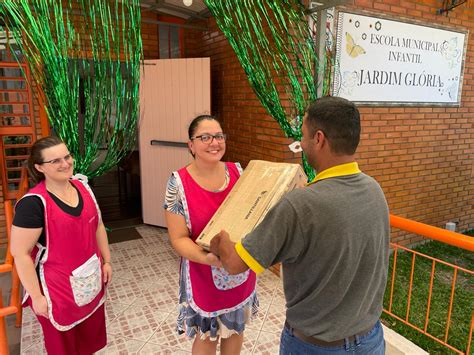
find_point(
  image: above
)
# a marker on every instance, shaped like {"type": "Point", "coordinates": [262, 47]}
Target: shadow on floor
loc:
{"type": "Point", "coordinates": [122, 235]}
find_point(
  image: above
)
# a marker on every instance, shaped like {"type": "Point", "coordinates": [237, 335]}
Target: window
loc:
{"type": "Point", "coordinates": [169, 40]}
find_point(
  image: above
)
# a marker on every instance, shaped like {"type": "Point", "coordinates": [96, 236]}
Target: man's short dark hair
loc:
{"type": "Point", "coordinates": [339, 119]}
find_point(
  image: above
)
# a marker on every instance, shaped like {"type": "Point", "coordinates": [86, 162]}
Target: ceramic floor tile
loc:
{"type": "Point", "coordinates": [137, 322]}
{"type": "Point", "coordinates": [151, 271]}
{"type": "Point", "coordinates": [160, 297]}
{"type": "Point", "coordinates": [31, 332]}
{"type": "Point", "coordinates": [279, 296]}
{"type": "Point", "coordinates": [167, 336]}
{"type": "Point", "coordinates": [169, 265]}
{"type": "Point", "coordinates": [156, 241]}
{"type": "Point", "coordinates": [155, 349]}
{"type": "Point", "coordinates": [132, 252]}
{"type": "Point", "coordinates": [119, 247]}
{"type": "Point", "coordinates": [121, 268]}
{"type": "Point", "coordinates": [168, 280]}
{"type": "Point", "coordinates": [275, 319]}
{"type": "Point", "coordinates": [125, 291]}
{"type": "Point", "coordinates": [250, 338]}
{"type": "Point", "coordinates": [163, 255]}
{"type": "Point", "coordinates": [265, 293]}
{"type": "Point", "coordinates": [161, 263]}
{"type": "Point", "coordinates": [268, 343]}
{"type": "Point", "coordinates": [149, 231]}
{"type": "Point", "coordinates": [268, 277]}
{"type": "Point", "coordinates": [114, 309]}
{"type": "Point", "coordinates": [117, 345]}
{"type": "Point", "coordinates": [35, 349]}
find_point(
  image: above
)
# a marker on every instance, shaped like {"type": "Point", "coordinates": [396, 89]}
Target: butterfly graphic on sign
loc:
{"type": "Point", "coordinates": [353, 49]}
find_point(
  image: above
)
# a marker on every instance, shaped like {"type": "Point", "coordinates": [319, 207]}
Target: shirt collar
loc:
{"type": "Point", "coordinates": [336, 171]}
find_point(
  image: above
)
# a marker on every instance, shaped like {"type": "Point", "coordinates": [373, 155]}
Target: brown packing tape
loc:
{"type": "Point", "coordinates": [259, 188]}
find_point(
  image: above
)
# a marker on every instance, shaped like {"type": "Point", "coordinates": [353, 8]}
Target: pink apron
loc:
{"type": "Point", "coordinates": [211, 288]}
{"type": "Point", "coordinates": [69, 266]}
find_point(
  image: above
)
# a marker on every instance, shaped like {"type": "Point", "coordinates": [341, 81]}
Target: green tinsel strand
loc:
{"type": "Point", "coordinates": [66, 48]}
{"type": "Point", "coordinates": [274, 46]}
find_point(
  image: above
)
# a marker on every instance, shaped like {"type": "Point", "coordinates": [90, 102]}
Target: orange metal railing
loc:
{"type": "Point", "coordinates": [442, 235]}
{"type": "Point", "coordinates": [8, 266]}
{"type": "Point", "coordinates": [452, 238]}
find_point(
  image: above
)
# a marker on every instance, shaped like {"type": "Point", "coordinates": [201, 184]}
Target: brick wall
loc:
{"type": "Point", "coordinates": [421, 156]}
{"type": "Point", "coordinates": [150, 36]}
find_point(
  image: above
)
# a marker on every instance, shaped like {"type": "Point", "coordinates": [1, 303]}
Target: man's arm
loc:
{"type": "Point", "coordinates": [224, 248]}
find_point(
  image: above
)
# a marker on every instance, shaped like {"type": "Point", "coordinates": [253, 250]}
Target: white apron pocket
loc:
{"type": "Point", "coordinates": [224, 281]}
{"type": "Point", "coordinates": [86, 285]}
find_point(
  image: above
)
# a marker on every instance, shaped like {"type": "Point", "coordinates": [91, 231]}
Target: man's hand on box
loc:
{"type": "Point", "coordinates": [214, 245]}
{"type": "Point", "coordinates": [220, 240]}
{"type": "Point", "coordinates": [213, 260]}
{"type": "Point", "coordinates": [224, 248]}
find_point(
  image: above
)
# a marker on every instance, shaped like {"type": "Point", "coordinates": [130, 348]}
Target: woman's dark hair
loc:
{"type": "Point", "coordinates": [195, 123]}
{"type": "Point", "coordinates": [36, 156]}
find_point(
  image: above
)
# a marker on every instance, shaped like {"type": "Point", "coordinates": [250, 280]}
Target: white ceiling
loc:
{"type": "Point", "coordinates": [177, 8]}
{"type": "Point", "coordinates": [198, 10]}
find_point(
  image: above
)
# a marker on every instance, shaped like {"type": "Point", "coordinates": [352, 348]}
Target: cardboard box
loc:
{"type": "Point", "coordinates": [261, 186]}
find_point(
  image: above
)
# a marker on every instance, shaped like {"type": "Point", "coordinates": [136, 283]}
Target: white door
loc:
{"type": "Point", "coordinates": [172, 93]}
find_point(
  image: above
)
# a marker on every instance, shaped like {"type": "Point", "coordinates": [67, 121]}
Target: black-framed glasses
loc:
{"type": "Point", "coordinates": [208, 138]}
{"type": "Point", "coordinates": [57, 161]}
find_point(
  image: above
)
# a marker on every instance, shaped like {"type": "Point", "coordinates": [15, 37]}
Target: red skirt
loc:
{"type": "Point", "coordinates": [87, 337]}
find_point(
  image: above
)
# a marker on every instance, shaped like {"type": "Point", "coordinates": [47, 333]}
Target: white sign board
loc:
{"type": "Point", "coordinates": [379, 60]}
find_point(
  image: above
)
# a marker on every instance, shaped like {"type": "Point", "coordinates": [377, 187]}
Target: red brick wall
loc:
{"type": "Point", "coordinates": [150, 36]}
{"type": "Point", "coordinates": [421, 156]}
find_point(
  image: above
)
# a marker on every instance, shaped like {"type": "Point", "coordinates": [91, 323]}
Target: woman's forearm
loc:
{"type": "Point", "coordinates": [27, 274]}
{"type": "Point", "coordinates": [186, 248]}
{"type": "Point", "coordinates": [103, 243]}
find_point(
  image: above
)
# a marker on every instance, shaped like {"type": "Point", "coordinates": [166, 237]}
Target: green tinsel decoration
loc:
{"type": "Point", "coordinates": [85, 55]}
{"type": "Point", "coordinates": [273, 43]}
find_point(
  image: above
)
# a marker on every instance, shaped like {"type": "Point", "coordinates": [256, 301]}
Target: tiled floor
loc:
{"type": "Point", "coordinates": [142, 304]}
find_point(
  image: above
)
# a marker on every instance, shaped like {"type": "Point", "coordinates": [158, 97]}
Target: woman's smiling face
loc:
{"type": "Point", "coordinates": [210, 151]}
{"type": "Point", "coordinates": [58, 163]}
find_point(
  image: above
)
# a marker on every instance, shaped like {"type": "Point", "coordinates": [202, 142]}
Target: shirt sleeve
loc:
{"type": "Point", "coordinates": [278, 238]}
{"type": "Point", "coordinates": [29, 213]}
{"type": "Point", "coordinates": [239, 168]}
{"type": "Point", "coordinates": [173, 202]}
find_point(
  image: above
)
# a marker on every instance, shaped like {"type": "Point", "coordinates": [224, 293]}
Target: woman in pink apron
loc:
{"type": "Point", "coordinates": [61, 252]}
{"type": "Point", "coordinates": [213, 304]}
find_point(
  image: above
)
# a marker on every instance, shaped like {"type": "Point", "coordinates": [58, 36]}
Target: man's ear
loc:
{"type": "Point", "coordinates": [320, 138]}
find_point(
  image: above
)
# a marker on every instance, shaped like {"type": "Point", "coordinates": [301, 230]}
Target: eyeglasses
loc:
{"type": "Point", "coordinates": [208, 138]}
{"type": "Point", "coordinates": [58, 161]}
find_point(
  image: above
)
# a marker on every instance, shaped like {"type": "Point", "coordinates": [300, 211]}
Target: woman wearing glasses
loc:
{"type": "Point", "coordinates": [213, 304]}
{"type": "Point", "coordinates": [61, 252]}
